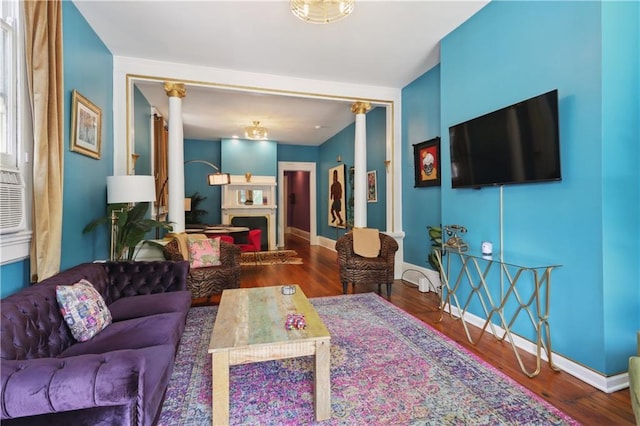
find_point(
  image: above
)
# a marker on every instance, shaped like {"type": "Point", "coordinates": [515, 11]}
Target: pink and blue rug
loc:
{"type": "Point", "coordinates": [387, 368]}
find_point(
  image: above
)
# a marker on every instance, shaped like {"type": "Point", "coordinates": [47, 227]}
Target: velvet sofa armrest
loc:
{"type": "Point", "coordinates": [50, 385]}
{"type": "Point", "coordinates": [138, 278]}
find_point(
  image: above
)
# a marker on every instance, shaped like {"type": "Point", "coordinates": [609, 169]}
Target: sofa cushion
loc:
{"type": "Point", "coordinates": [83, 309]}
{"type": "Point", "coordinates": [204, 253]}
{"type": "Point", "coordinates": [150, 304]}
{"type": "Point", "coordinates": [136, 333]}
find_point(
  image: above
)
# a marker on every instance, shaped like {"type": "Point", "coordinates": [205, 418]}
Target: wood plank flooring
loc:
{"type": "Point", "coordinates": [318, 277]}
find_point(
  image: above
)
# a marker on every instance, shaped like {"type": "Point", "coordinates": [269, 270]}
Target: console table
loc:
{"type": "Point", "coordinates": [532, 301]}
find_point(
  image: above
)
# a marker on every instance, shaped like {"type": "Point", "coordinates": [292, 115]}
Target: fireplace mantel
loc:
{"type": "Point", "coordinates": [256, 197]}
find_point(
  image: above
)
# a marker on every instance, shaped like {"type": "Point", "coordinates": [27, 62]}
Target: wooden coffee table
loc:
{"type": "Point", "coordinates": [250, 327]}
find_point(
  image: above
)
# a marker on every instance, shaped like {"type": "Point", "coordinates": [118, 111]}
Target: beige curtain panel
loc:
{"type": "Point", "coordinates": [43, 49]}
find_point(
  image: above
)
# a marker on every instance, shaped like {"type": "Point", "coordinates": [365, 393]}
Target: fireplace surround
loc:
{"type": "Point", "coordinates": [251, 201]}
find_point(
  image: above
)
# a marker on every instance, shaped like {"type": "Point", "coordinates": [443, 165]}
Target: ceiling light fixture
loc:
{"type": "Point", "coordinates": [321, 11]}
{"type": "Point", "coordinates": [255, 132]}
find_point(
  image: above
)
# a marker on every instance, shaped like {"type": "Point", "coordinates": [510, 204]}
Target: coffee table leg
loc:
{"type": "Point", "coordinates": [323, 380]}
{"type": "Point", "coordinates": [220, 388]}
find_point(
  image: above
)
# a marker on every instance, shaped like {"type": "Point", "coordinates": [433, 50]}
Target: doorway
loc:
{"type": "Point", "coordinates": [284, 199]}
{"type": "Point", "coordinates": [296, 203]}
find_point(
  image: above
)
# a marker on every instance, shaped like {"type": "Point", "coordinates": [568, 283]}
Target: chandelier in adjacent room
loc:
{"type": "Point", "coordinates": [256, 132]}
{"type": "Point", "coordinates": [321, 11]}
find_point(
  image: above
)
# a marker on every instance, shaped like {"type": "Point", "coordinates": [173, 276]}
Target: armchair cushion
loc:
{"type": "Point", "coordinates": [203, 253]}
{"type": "Point", "coordinates": [207, 281]}
{"type": "Point", "coordinates": [83, 309]}
{"type": "Point", "coordinates": [366, 242]}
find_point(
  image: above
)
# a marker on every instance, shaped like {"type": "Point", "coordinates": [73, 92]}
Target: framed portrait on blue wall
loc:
{"type": "Point", "coordinates": [427, 163]}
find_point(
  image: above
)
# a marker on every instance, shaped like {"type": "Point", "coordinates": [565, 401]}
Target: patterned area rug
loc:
{"type": "Point", "coordinates": [387, 368]}
{"type": "Point", "coordinates": [275, 257]}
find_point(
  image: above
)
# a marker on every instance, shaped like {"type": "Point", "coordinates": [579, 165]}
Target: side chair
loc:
{"type": "Point", "coordinates": [358, 269]}
{"type": "Point", "coordinates": [211, 280]}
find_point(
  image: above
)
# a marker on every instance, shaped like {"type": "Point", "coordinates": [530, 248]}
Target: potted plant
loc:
{"type": "Point", "coordinates": [192, 217]}
{"type": "Point", "coordinates": [435, 235]}
{"type": "Point", "coordinates": [131, 227]}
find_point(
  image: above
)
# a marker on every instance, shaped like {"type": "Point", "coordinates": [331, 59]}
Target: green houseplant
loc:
{"type": "Point", "coordinates": [435, 235]}
{"type": "Point", "coordinates": [131, 227]}
{"type": "Point", "coordinates": [193, 216]}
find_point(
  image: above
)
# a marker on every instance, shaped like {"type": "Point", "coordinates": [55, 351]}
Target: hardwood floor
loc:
{"type": "Point", "coordinates": [318, 277]}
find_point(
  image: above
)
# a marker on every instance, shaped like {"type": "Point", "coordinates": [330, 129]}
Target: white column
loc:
{"type": "Point", "coordinates": [360, 165]}
{"type": "Point", "coordinates": [175, 92]}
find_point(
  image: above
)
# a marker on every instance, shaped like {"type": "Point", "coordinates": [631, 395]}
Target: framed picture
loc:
{"type": "Point", "coordinates": [372, 187]}
{"type": "Point", "coordinates": [86, 126]}
{"type": "Point", "coordinates": [427, 163]}
{"type": "Point", "coordinates": [337, 197]}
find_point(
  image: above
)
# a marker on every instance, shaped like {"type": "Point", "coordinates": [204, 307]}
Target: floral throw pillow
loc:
{"type": "Point", "coordinates": [83, 309]}
{"type": "Point", "coordinates": [204, 253]}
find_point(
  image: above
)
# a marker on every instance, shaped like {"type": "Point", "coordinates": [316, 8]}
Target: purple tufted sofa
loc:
{"type": "Point", "coordinates": [119, 376]}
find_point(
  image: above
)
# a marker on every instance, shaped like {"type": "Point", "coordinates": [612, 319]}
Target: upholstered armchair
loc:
{"type": "Point", "coordinates": [210, 280]}
{"type": "Point", "coordinates": [359, 269]}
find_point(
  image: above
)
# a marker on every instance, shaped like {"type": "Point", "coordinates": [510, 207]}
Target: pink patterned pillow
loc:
{"type": "Point", "coordinates": [204, 253]}
{"type": "Point", "coordinates": [83, 309]}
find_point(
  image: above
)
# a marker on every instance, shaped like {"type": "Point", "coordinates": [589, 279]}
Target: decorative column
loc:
{"type": "Point", "coordinates": [360, 165]}
{"type": "Point", "coordinates": [175, 92]}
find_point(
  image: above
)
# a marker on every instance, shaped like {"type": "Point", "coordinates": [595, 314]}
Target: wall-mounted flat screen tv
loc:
{"type": "Point", "coordinates": [516, 144]}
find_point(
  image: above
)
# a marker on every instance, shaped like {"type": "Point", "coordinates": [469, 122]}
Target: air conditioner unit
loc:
{"type": "Point", "coordinates": [12, 203]}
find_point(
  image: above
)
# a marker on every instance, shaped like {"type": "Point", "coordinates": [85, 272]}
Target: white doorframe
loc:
{"type": "Point", "coordinates": [289, 166]}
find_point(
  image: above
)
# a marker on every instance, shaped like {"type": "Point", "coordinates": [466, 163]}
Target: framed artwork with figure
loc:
{"type": "Point", "coordinates": [427, 163]}
{"type": "Point", "coordinates": [337, 197]}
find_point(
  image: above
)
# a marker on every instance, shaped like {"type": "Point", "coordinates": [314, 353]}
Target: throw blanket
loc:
{"type": "Point", "coordinates": [366, 242]}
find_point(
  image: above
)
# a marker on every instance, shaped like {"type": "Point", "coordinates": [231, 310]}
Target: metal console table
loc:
{"type": "Point", "coordinates": [536, 299]}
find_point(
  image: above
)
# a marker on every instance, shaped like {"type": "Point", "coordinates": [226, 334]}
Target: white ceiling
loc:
{"type": "Point", "coordinates": [383, 43]}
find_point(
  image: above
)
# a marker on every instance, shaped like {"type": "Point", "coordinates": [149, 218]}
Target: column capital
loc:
{"type": "Point", "coordinates": [175, 90]}
{"type": "Point", "coordinates": [360, 107]}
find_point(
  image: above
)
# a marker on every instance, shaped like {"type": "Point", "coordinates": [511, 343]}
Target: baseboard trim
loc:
{"type": "Point", "coordinates": [599, 381]}
{"type": "Point", "coordinates": [327, 243]}
{"type": "Point", "coordinates": [305, 235]}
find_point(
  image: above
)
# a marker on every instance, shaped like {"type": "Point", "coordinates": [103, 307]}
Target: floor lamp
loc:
{"type": "Point", "coordinates": [217, 178]}
{"type": "Point", "coordinates": [127, 189]}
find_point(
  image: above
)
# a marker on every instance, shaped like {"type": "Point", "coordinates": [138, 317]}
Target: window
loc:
{"type": "Point", "coordinates": [14, 234]}
{"type": "Point", "coordinates": [8, 85]}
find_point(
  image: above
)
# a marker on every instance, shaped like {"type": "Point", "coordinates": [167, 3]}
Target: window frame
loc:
{"type": "Point", "coordinates": [15, 245]}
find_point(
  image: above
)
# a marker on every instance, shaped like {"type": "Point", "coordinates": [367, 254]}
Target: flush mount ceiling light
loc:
{"type": "Point", "coordinates": [321, 11]}
{"type": "Point", "coordinates": [256, 132]}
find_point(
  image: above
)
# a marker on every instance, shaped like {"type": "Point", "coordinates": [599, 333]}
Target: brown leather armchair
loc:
{"type": "Point", "coordinates": [357, 269]}
{"type": "Point", "coordinates": [211, 280]}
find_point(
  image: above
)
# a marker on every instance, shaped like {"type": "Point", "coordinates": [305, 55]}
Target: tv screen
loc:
{"type": "Point", "coordinates": [516, 144]}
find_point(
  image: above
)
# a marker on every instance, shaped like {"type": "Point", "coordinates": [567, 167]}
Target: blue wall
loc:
{"type": "Point", "coordinates": [420, 206]}
{"type": "Point", "coordinates": [343, 144]}
{"type": "Point", "coordinates": [142, 128]}
{"type": "Point", "coordinates": [578, 52]}
{"type": "Point", "coordinates": [195, 177]}
{"type": "Point", "coordinates": [13, 277]}
{"type": "Point", "coordinates": [299, 153]}
{"type": "Point", "coordinates": [376, 156]}
{"type": "Point", "coordinates": [239, 156]}
{"type": "Point", "coordinates": [620, 177]}
{"type": "Point", "coordinates": [88, 68]}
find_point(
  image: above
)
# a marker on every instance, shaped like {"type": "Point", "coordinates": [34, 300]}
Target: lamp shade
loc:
{"type": "Point", "coordinates": [219, 179]}
{"type": "Point", "coordinates": [130, 189]}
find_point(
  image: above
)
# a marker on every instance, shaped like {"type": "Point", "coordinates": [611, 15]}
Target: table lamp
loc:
{"type": "Point", "coordinates": [127, 189]}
